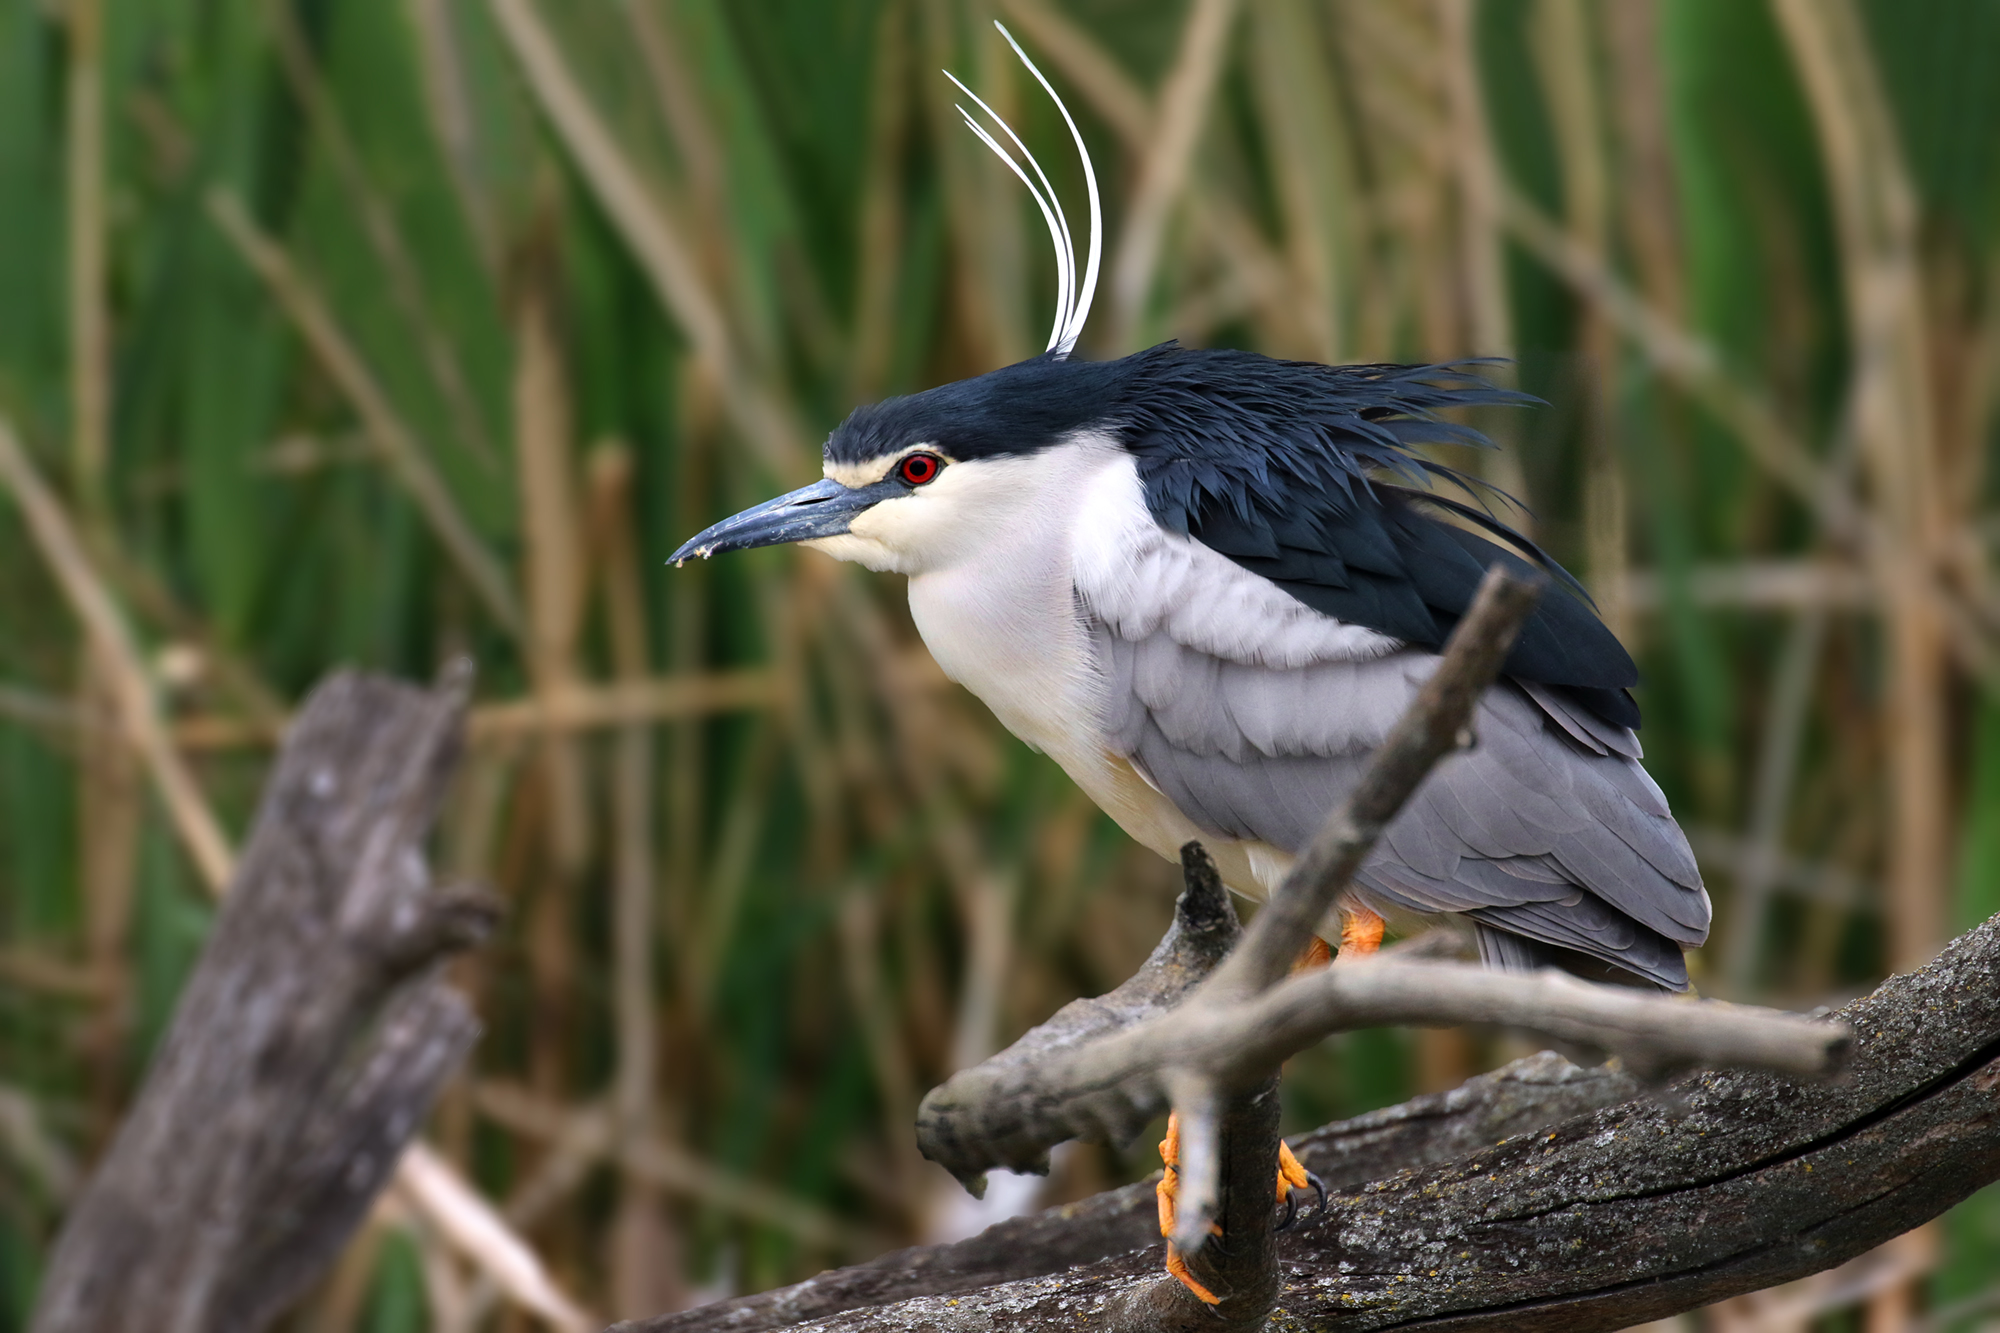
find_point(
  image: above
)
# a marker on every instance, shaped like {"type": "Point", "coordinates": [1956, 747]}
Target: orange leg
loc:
{"type": "Point", "coordinates": [1360, 932]}
{"type": "Point", "coordinates": [1291, 1174]}
{"type": "Point", "coordinates": [1165, 1192]}
{"type": "Point", "coordinates": [1178, 1267]}
{"type": "Point", "coordinates": [1315, 955]}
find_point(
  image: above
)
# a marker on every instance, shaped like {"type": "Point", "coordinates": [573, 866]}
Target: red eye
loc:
{"type": "Point", "coordinates": [920, 469]}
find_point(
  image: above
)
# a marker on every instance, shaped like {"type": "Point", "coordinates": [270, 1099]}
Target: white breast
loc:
{"type": "Point", "coordinates": [1054, 537]}
{"type": "Point", "coordinates": [1001, 618]}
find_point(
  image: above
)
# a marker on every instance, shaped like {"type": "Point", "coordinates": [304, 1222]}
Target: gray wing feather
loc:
{"type": "Point", "coordinates": [1547, 829]}
{"type": "Point", "coordinates": [1587, 729]}
{"type": "Point", "coordinates": [1510, 953]}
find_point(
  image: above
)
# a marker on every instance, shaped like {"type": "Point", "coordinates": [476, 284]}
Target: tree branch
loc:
{"type": "Point", "coordinates": [1110, 1088]}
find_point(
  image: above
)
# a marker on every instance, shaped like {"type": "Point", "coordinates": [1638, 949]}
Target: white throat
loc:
{"type": "Point", "coordinates": [996, 603]}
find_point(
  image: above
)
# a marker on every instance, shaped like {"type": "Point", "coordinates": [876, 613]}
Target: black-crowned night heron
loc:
{"type": "Point", "coordinates": [1208, 583]}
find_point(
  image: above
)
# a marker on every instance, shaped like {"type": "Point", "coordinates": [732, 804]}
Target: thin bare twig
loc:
{"type": "Point", "coordinates": [437, 1192]}
{"type": "Point", "coordinates": [1007, 1112]}
{"type": "Point", "coordinates": [1435, 724]}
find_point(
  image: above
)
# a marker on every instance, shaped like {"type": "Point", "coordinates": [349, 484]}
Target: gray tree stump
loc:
{"type": "Point", "coordinates": [307, 1046]}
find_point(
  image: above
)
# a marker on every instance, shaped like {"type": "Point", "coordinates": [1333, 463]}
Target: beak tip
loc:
{"type": "Point", "coordinates": [820, 510]}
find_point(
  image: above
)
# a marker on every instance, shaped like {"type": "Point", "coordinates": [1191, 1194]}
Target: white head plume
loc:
{"type": "Point", "coordinates": [1072, 297]}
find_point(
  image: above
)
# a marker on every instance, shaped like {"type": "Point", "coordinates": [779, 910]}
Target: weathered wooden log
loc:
{"type": "Point", "coordinates": [1528, 1095]}
{"type": "Point", "coordinates": [1717, 1185]}
{"type": "Point", "coordinates": [307, 1046]}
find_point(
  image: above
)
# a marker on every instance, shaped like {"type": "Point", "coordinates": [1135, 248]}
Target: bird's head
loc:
{"type": "Point", "coordinates": [1229, 444]}
{"type": "Point", "coordinates": [913, 484]}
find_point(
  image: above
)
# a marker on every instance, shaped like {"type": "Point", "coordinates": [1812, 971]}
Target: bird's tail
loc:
{"type": "Point", "coordinates": [1517, 953]}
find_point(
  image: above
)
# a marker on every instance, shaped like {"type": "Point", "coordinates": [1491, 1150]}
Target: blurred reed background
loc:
{"type": "Point", "coordinates": [380, 333]}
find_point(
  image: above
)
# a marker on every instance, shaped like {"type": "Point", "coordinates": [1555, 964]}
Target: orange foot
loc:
{"type": "Point", "coordinates": [1293, 1176]}
{"type": "Point", "coordinates": [1315, 955]}
{"type": "Point", "coordinates": [1166, 1192]}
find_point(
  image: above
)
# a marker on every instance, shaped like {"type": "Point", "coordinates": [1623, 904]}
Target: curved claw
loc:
{"type": "Point", "coordinates": [1292, 1201]}
{"type": "Point", "coordinates": [1291, 1210]}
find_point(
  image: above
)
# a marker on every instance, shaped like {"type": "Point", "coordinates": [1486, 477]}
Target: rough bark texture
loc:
{"type": "Point", "coordinates": [1720, 1184]}
{"type": "Point", "coordinates": [1528, 1095]}
{"type": "Point", "coordinates": [306, 1047]}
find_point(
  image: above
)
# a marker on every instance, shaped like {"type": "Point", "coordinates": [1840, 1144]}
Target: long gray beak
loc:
{"type": "Point", "coordinates": [823, 509]}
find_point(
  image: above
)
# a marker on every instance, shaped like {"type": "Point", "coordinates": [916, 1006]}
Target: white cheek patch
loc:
{"type": "Point", "coordinates": [860, 549]}
{"type": "Point", "coordinates": [993, 513]}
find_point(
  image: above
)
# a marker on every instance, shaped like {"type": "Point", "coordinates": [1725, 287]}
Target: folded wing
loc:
{"type": "Point", "coordinates": [1547, 833]}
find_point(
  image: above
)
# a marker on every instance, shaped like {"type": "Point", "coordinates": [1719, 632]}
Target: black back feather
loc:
{"type": "Point", "coordinates": [1303, 473]}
